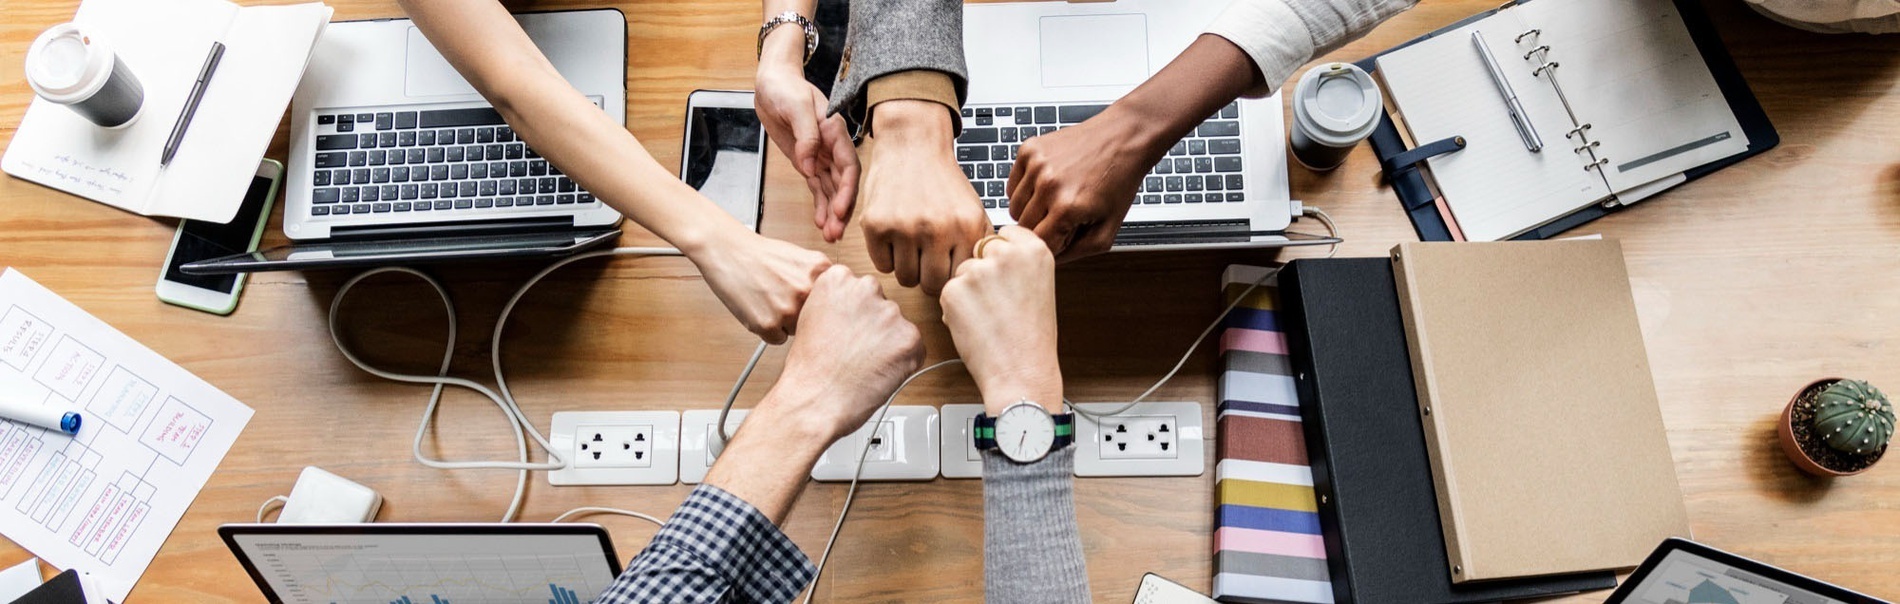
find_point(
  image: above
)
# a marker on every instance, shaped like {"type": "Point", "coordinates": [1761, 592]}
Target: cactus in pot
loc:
{"type": "Point", "coordinates": [1837, 427]}
{"type": "Point", "coordinates": [1854, 417]}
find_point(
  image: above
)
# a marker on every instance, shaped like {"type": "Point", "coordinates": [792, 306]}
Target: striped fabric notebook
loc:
{"type": "Point", "coordinates": [1267, 544]}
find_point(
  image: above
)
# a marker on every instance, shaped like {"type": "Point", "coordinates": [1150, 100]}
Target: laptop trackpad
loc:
{"type": "Point", "coordinates": [1094, 50]}
{"type": "Point", "coordinates": [426, 73]}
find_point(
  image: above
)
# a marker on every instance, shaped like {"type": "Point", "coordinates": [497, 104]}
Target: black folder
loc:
{"type": "Point", "coordinates": [1400, 162]}
{"type": "Point", "coordinates": [1378, 509]}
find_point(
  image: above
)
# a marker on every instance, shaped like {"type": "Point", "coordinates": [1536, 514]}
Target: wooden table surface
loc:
{"type": "Point", "coordinates": [1750, 283]}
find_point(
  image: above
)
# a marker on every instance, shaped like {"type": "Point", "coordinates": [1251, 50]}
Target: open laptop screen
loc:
{"type": "Point", "coordinates": [1686, 572]}
{"type": "Point", "coordinates": [425, 563]}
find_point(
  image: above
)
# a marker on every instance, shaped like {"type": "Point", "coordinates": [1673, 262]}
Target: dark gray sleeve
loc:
{"type": "Point", "coordinates": [1032, 550]}
{"type": "Point", "coordinates": [891, 36]}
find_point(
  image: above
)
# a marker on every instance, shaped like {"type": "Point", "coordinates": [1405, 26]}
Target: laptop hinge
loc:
{"type": "Point", "coordinates": [452, 228]}
{"type": "Point", "coordinates": [1184, 231]}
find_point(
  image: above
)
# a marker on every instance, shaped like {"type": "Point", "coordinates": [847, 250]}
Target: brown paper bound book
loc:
{"type": "Point", "coordinates": [1546, 442]}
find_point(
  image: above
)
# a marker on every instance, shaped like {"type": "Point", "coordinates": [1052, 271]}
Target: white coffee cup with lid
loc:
{"type": "Point", "coordinates": [70, 65]}
{"type": "Point", "coordinates": [1335, 106]}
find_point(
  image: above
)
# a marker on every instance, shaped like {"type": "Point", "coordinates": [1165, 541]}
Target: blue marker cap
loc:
{"type": "Point", "coordinates": [70, 423]}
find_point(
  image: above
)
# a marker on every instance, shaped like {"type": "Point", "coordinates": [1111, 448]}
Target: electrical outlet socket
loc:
{"type": "Point", "coordinates": [697, 451]}
{"type": "Point", "coordinates": [1135, 437]}
{"type": "Point", "coordinates": [1149, 439]}
{"type": "Point", "coordinates": [616, 447]}
{"type": "Point", "coordinates": [958, 456]}
{"type": "Point", "coordinates": [905, 448]}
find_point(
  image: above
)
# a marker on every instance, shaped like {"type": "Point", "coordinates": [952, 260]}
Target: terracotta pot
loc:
{"type": "Point", "coordinates": [1792, 448]}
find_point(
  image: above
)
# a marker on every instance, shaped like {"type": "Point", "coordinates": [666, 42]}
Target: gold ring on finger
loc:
{"type": "Point", "coordinates": [980, 243]}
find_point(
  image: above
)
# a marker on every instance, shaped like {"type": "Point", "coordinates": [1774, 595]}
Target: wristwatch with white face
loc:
{"type": "Point", "coordinates": [1024, 432]}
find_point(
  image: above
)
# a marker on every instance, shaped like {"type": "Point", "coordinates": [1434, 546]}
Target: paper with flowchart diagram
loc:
{"type": "Point", "coordinates": [104, 500]}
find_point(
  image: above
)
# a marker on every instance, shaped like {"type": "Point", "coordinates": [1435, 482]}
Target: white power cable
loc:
{"type": "Point", "coordinates": [273, 502]}
{"type": "Point", "coordinates": [720, 436]}
{"type": "Point", "coordinates": [852, 493]}
{"type": "Point", "coordinates": [1218, 319]}
{"type": "Point", "coordinates": [504, 399]}
{"type": "Point", "coordinates": [583, 511]}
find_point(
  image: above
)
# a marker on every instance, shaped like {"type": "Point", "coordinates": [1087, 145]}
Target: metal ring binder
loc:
{"type": "Point", "coordinates": [1527, 33]}
{"type": "Point", "coordinates": [1547, 69]}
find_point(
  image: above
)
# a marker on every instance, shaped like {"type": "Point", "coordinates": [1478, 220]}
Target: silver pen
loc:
{"type": "Point", "coordinates": [192, 99]}
{"type": "Point", "coordinates": [1511, 103]}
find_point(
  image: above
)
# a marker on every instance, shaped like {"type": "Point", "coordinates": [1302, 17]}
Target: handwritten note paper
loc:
{"type": "Point", "coordinates": [102, 501]}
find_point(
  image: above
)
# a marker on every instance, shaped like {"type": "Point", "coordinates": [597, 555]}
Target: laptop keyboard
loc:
{"type": "Point", "coordinates": [437, 161]}
{"type": "Point", "coordinates": [1204, 167]}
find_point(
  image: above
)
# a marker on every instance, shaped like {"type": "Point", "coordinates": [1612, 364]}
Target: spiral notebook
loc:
{"type": "Point", "coordinates": [1618, 90]}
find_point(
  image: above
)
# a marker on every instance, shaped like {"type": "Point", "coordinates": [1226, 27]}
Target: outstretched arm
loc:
{"type": "Point", "coordinates": [1032, 547]}
{"type": "Point", "coordinates": [1075, 195]}
{"type": "Point", "coordinates": [762, 281]}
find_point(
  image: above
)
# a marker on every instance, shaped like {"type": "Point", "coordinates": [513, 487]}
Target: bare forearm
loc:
{"type": "Point", "coordinates": [1211, 73]}
{"type": "Point", "coordinates": [491, 51]}
{"type": "Point", "coordinates": [767, 464]}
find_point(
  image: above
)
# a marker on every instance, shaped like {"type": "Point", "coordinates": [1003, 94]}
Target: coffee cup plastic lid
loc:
{"type": "Point", "coordinates": [1337, 103]}
{"type": "Point", "coordinates": [66, 64]}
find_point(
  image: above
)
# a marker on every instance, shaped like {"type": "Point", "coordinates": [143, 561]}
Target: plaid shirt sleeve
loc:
{"type": "Point", "coordinates": [715, 548]}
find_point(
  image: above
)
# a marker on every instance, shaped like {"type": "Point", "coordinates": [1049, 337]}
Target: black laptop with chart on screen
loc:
{"type": "Point", "coordinates": [565, 563]}
{"type": "Point", "coordinates": [1686, 572]}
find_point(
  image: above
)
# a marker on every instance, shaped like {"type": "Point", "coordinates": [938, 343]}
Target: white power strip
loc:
{"type": "Point", "coordinates": [698, 448]}
{"type": "Point", "coordinates": [904, 447]}
{"type": "Point", "coordinates": [958, 455]}
{"type": "Point", "coordinates": [617, 447]}
{"type": "Point", "coordinates": [1149, 439]}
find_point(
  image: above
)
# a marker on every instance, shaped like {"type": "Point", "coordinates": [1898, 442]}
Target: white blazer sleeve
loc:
{"type": "Point", "coordinates": [1282, 35]}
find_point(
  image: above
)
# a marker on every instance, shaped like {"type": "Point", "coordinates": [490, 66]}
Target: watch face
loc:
{"type": "Point", "coordinates": [1025, 433]}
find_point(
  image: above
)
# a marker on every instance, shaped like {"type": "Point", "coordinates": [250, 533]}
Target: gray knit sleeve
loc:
{"type": "Point", "coordinates": [891, 36]}
{"type": "Point", "coordinates": [1032, 550]}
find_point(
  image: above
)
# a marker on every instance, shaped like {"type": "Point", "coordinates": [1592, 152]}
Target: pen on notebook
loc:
{"type": "Point", "coordinates": [191, 104]}
{"type": "Point", "coordinates": [1523, 122]}
{"type": "Point", "coordinates": [45, 416]}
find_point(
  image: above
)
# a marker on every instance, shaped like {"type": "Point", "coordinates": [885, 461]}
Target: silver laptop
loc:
{"type": "Point", "coordinates": [425, 563]}
{"type": "Point", "coordinates": [389, 143]}
{"type": "Point", "coordinates": [1036, 67]}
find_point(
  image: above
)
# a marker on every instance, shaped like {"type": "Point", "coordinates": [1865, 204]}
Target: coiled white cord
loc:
{"type": "Point", "coordinates": [504, 399]}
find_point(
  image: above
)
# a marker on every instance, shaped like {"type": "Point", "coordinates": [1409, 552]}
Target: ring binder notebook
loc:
{"type": "Point", "coordinates": [1655, 102]}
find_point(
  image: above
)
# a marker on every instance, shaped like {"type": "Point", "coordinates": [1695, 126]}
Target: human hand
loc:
{"type": "Point", "coordinates": [793, 112]}
{"type": "Point", "coordinates": [920, 216]}
{"type": "Point", "coordinates": [854, 347]}
{"type": "Point", "coordinates": [763, 281]}
{"type": "Point", "coordinates": [1074, 186]}
{"type": "Point", "coordinates": [1001, 311]}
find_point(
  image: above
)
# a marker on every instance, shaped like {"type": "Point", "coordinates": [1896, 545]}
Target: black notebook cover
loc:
{"type": "Point", "coordinates": [1377, 508]}
{"type": "Point", "coordinates": [63, 588]}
